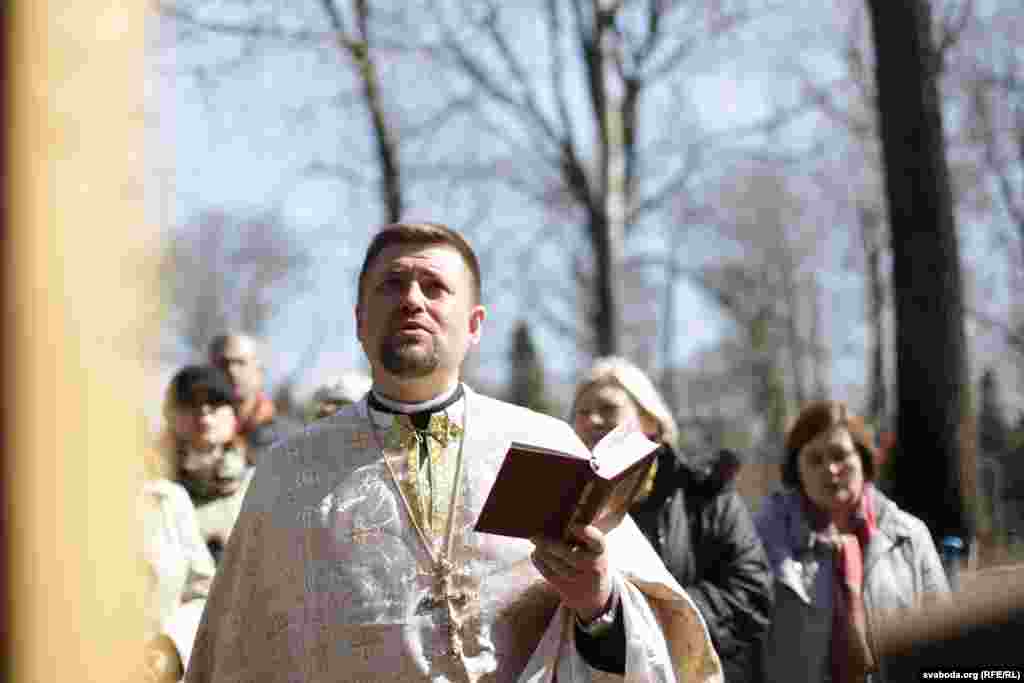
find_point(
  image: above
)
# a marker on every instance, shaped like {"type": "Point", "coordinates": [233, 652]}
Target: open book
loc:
{"type": "Point", "coordinates": [542, 492]}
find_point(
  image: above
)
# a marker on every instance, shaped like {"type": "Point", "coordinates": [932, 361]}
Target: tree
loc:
{"type": "Point", "coordinates": [351, 30]}
{"type": "Point", "coordinates": [757, 358]}
{"type": "Point", "coordinates": [993, 430]}
{"type": "Point", "coordinates": [994, 75]}
{"type": "Point", "coordinates": [358, 44]}
{"type": "Point", "coordinates": [854, 179]}
{"type": "Point", "coordinates": [566, 111]}
{"type": "Point", "coordinates": [768, 286]}
{"type": "Point", "coordinates": [991, 71]}
{"type": "Point", "coordinates": [228, 272]}
{"type": "Point", "coordinates": [526, 387]}
{"type": "Point", "coordinates": [931, 363]}
{"type": "Point", "coordinates": [872, 233]}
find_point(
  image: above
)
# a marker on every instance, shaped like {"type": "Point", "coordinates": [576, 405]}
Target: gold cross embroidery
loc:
{"type": "Point", "coordinates": [428, 480]}
{"type": "Point", "coordinates": [362, 535]}
{"type": "Point", "coordinates": [443, 576]}
{"type": "Point", "coordinates": [441, 429]}
{"type": "Point", "coordinates": [445, 595]}
{"type": "Point", "coordinates": [360, 440]}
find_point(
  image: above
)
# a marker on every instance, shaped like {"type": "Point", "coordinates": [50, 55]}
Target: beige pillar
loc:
{"type": "Point", "coordinates": [73, 301]}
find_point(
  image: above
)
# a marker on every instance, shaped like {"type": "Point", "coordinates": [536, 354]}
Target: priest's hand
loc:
{"type": "Point", "coordinates": [578, 570]}
{"type": "Point", "coordinates": [163, 664]}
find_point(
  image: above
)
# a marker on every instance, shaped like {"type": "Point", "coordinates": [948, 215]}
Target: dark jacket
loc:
{"type": "Point", "coordinates": [704, 533]}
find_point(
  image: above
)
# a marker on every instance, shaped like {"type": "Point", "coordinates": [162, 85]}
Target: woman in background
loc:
{"type": "Point", "coordinates": [692, 516]}
{"type": "Point", "coordinates": [203, 450]}
{"type": "Point", "coordinates": [841, 553]}
{"type": "Point", "coordinates": [180, 569]}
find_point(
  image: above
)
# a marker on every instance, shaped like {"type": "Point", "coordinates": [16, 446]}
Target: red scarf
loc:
{"type": "Point", "coordinates": [262, 411]}
{"type": "Point", "coordinates": [847, 582]}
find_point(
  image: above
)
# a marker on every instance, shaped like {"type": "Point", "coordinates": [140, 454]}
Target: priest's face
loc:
{"type": "Point", "coordinates": [418, 317]}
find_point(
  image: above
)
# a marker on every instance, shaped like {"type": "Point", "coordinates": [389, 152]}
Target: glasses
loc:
{"type": "Point", "coordinates": [823, 457]}
{"type": "Point", "coordinates": [607, 412]}
{"type": "Point", "coordinates": [200, 409]}
{"type": "Point", "coordinates": [225, 362]}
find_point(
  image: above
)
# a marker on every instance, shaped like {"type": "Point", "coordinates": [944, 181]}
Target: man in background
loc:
{"type": "Point", "coordinates": [238, 356]}
{"type": "Point", "coordinates": [340, 391]}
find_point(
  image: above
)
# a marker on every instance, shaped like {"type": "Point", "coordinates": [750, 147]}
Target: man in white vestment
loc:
{"type": "Point", "coordinates": [355, 558]}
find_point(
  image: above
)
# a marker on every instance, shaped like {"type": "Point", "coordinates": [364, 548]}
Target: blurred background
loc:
{"type": "Point", "coordinates": [698, 186]}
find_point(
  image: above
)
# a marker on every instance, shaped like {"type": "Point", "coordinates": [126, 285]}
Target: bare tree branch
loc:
{"type": "Point", "coordinates": [488, 82]}
{"type": "Point", "coordinates": [519, 74]}
{"type": "Point", "coordinates": [822, 97]}
{"type": "Point", "coordinates": [339, 171]}
{"type": "Point", "coordinates": [225, 271]}
{"type": "Point", "coordinates": [1013, 337]}
{"type": "Point", "coordinates": [242, 30]}
{"type": "Point", "coordinates": [557, 69]}
{"type": "Point", "coordinates": [952, 25]}
{"type": "Point", "coordinates": [1013, 204]}
{"type": "Point", "coordinates": [674, 185]}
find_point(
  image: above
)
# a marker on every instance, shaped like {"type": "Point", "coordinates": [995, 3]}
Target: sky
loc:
{"type": "Point", "coordinates": [240, 141]}
{"type": "Point", "coordinates": [229, 146]}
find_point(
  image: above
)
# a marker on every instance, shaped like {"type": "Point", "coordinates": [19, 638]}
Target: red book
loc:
{"type": "Point", "coordinates": [542, 492]}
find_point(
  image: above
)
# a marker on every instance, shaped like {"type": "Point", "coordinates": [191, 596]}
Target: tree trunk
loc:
{"type": "Point", "coordinates": [607, 226]}
{"type": "Point", "coordinates": [769, 384]}
{"type": "Point", "coordinates": [819, 350]}
{"type": "Point", "coordinates": [607, 253]}
{"type": "Point", "coordinates": [794, 340]}
{"type": "Point", "coordinates": [871, 235]}
{"type": "Point", "coordinates": [669, 384]}
{"type": "Point", "coordinates": [358, 48]}
{"type": "Point", "coordinates": [931, 366]}
{"type": "Point", "coordinates": [384, 135]}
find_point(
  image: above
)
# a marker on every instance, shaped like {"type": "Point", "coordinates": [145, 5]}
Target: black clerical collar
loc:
{"type": "Point", "coordinates": [419, 413]}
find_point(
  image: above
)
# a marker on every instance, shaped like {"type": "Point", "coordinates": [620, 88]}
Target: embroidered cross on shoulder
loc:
{"type": "Point", "coordinates": [360, 439]}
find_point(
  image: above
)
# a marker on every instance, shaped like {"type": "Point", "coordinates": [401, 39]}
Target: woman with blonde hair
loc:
{"type": "Point", "coordinates": [692, 515]}
{"type": "Point", "coordinates": [620, 392]}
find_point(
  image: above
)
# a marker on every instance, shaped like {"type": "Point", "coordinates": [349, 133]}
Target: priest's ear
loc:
{"type": "Point", "coordinates": [360, 320]}
{"type": "Point", "coordinates": [477, 315]}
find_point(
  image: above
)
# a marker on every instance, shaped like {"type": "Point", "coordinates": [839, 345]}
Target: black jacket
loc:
{"type": "Point", "coordinates": [704, 533]}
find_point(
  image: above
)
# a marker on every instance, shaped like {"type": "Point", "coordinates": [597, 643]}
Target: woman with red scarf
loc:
{"type": "Point", "coordinates": [842, 553]}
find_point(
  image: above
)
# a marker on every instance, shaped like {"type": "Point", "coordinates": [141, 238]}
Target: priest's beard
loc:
{"type": "Point", "coordinates": [409, 360]}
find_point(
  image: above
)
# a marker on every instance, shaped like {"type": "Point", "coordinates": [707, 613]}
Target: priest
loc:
{"type": "Point", "coordinates": [355, 558]}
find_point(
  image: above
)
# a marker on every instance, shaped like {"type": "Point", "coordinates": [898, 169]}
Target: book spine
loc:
{"type": "Point", "coordinates": [586, 506]}
{"type": "Point", "coordinates": [577, 512]}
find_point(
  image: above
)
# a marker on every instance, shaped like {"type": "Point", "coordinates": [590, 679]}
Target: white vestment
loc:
{"type": "Point", "coordinates": [326, 579]}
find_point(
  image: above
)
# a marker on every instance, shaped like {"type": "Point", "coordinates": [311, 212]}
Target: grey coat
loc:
{"type": "Point", "coordinates": [901, 566]}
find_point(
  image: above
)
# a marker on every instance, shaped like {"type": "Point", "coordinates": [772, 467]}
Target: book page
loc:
{"type": "Point", "coordinates": [617, 505]}
{"type": "Point", "coordinates": [619, 449]}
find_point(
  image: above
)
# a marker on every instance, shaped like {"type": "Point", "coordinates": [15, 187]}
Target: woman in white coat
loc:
{"type": "Point", "coordinates": [180, 569]}
{"type": "Point", "coordinates": [842, 553]}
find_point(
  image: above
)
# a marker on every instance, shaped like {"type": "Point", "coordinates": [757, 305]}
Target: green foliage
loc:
{"type": "Point", "coordinates": [1015, 439]}
{"type": "Point", "coordinates": [285, 402]}
{"type": "Point", "coordinates": [737, 439]}
{"type": "Point", "coordinates": [526, 387]}
{"type": "Point", "coordinates": [770, 385]}
{"type": "Point", "coordinates": [1015, 551]}
{"type": "Point", "coordinates": [993, 431]}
